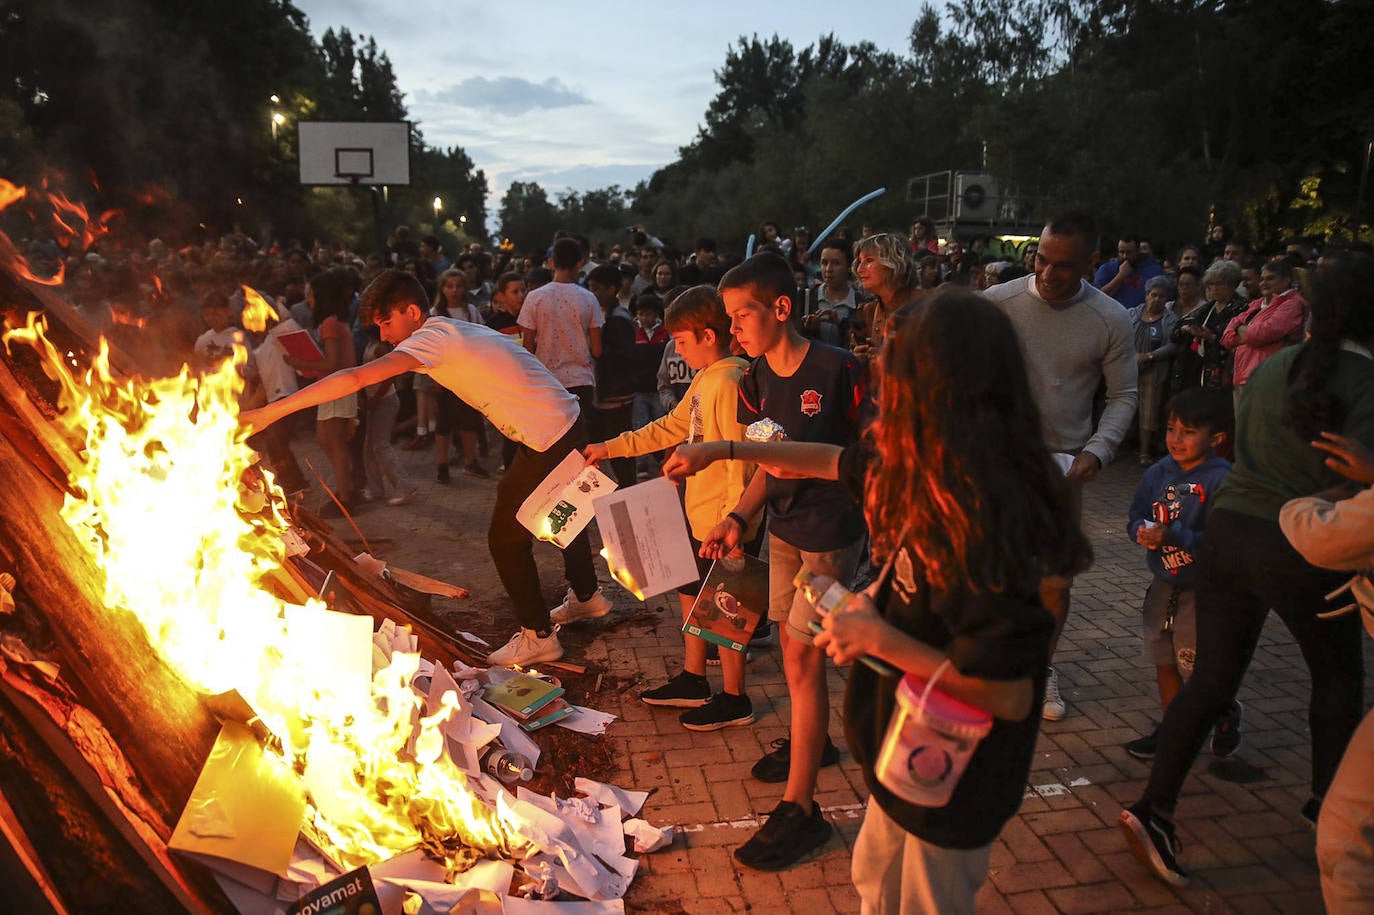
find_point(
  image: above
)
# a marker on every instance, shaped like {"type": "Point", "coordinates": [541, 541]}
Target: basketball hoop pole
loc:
{"type": "Point", "coordinates": [380, 239]}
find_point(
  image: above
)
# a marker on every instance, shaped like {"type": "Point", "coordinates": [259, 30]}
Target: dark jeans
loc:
{"type": "Point", "coordinates": [512, 546]}
{"type": "Point", "coordinates": [1248, 567]}
{"type": "Point", "coordinates": [610, 422]}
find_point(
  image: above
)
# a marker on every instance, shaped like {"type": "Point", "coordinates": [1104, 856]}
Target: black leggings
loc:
{"type": "Point", "coordinates": [1248, 567]}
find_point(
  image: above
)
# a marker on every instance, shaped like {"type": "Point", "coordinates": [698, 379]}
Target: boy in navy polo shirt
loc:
{"type": "Point", "coordinates": [814, 391]}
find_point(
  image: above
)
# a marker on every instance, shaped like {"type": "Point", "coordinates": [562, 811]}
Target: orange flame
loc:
{"type": "Point", "coordinates": [159, 508]}
{"type": "Point", "coordinates": [257, 311]}
{"type": "Point", "coordinates": [9, 193]}
{"type": "Point", "coordinates": [71, 224]}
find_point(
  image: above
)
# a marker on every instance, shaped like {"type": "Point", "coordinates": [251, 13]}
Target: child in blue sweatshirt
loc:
{"type": "Point", "coordinates": [1167, 517]}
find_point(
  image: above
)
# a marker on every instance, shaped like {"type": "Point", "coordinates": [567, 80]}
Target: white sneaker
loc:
{"type": "Point", "coordinates": [1054, 708]}
{"type": "Point", "coordinates": [404, 497]}
{"type": "Point", "coordinates": [572, 609]}
{"type": "Point", "coordinates": [526, 648]}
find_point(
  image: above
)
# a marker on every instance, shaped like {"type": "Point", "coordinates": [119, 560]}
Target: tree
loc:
{"type": "Point", "coordinates": [527, 216]}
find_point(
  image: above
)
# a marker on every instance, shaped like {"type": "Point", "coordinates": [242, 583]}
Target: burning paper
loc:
{"type": "Point", "coordinates": [561, 506]}
{"type": "Point", "coordinates": [647, 546]}
{"type": "Point", "coordinates": [247, 807]}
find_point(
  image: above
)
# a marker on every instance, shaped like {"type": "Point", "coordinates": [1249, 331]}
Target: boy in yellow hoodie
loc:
{"type": "Point", "coordinates": [700, 330]}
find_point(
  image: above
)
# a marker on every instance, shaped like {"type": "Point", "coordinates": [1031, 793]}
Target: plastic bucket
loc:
{"type": "Point", "coordinates": [929, 742]}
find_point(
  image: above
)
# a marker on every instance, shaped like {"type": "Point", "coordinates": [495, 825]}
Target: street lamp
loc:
{"type": "Point", "coordinates": [438, 205]}
{"type": "Point", "coordinates": [463, 219]}
{"type": "Point", "coordinates": [277, 118]}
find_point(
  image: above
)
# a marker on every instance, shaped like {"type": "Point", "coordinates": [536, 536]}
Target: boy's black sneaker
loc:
{"type": "Point", "coordinates": [788, 835]}
{"type": "Point", "coordinates": [1153, 841]}
{"type": "Point", "coordinates": [721, 711]}
{"type": "Point", "coordinates": [1227, 732]}
{"type": "Point", "coordinates": [441, 475]}
{"type": "Point", "coordinates": [477, 470]}
{"type": "Point", "coordinates": [772, 768]}
{"type": "Point", "coordinates": [683, 691]}
{"type": "Point", "coordinates": [1143, 747]}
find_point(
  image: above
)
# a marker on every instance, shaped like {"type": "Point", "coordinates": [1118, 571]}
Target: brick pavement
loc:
{"type": "Point", "coordinates": [1244, 841]}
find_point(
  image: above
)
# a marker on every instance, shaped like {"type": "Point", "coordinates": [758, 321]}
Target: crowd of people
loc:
{"type": "Point", "coordinates": [940, 410]}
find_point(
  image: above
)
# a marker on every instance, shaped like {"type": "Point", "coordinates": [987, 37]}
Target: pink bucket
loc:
{"type": "Point", "coordinates": [929, 742]}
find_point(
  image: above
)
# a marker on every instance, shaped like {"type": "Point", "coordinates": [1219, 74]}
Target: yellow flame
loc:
{"type": "Point", "coordinates": [158, 507]}
{"type": "Point", "coordinates": [9, 193]}
{"type": "Point", "coordinates": [621, 575]}
{"type": "Point", "coordinates": [257, 311]}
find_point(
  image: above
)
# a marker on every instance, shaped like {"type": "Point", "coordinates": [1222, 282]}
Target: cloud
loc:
{"type": "Point", "coordinates": [505, 94]}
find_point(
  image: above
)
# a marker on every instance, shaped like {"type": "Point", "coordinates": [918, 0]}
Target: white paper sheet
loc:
{"type": "Point", "coordinates": [611, 796]}
{"type": "Point", "coordinates": [585, 875]}
{"type": "Point", "coordinates": [458, 728]}
{"type": "Point", "coordinates": [517, 906]}
{"type": "Point", "coordinates": [648, 837]}
{"type": "Point", "coordinates": [647, 549]}
{"type": "Point", "coordinates": [561, 506]}
{"type": "Point", "coordinates": [333, 652]}
{"type": "Point", "coordinates": [493, 877]}
{"type": "Point", "coordinates": [587, 721]}
{"type": "Point", "coordinates": [601, 834]}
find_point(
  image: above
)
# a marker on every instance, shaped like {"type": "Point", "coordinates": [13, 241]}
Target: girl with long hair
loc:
{"type": "Point", "coordinates": [961, 497]}
{"type": "Point", "coordinates": [330, 295]}
{"type": "Point", "coordinates": [450, 413]}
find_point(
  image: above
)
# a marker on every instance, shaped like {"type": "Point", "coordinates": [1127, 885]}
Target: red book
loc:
{"type": "Point", "coordinates": [300, 345]}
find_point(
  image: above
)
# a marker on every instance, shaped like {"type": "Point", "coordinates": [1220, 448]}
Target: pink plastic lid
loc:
{"type": "Point", "coordinates": [944, 707]}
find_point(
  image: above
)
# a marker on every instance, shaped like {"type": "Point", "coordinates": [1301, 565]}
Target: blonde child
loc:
{"type": "Point", "coordinates": [700, 330]}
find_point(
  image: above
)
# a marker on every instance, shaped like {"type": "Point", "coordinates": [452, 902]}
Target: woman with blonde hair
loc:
{"type": "Point", "coordinates": [884, 266]}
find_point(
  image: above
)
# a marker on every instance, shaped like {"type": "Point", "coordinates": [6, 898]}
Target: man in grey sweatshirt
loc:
{"type": "Point", "coordinates": [1073, 337]}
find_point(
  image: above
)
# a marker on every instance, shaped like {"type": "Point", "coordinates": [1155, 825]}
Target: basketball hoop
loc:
{"type": "Point", "coordinates": [354, 153]}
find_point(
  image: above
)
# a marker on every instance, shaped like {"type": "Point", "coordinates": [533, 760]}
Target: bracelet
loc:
{"type": "Point", "coordinates": [739, 519]}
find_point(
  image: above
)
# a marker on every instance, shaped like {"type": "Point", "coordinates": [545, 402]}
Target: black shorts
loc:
{"type": "Point", "coordinates": [704, 565]}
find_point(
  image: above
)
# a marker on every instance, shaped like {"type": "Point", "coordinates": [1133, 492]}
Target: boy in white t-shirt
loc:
{"type": "Point", "coordinates": [217, 343]}
{"type": "Point", "coordinates": [522, 399]}
{"type": "Point", "coordinates": [562, 324]}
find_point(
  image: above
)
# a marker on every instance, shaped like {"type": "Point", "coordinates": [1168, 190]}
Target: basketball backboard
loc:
{"type": "Point", "coordinates": [354, 152]}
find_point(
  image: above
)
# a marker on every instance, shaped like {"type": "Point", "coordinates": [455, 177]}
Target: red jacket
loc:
{"type": "Point", "coordinates": [1267, 330]}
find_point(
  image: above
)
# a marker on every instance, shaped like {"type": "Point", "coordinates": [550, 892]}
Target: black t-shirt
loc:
{"type": "Point", "coordinates": [503, 321]}
{"type": "Point", "coordinates": [991, 636]}
{"type": "Point", "coordinates": [819, 402]}
{"type": "Point", "coordinates": [615, 367]}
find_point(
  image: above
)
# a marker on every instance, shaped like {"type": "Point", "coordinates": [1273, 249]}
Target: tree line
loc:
{"type": "Point", "coordinates": [1160, 117]}
{"type": "Point", "coordinates": [167, 109]}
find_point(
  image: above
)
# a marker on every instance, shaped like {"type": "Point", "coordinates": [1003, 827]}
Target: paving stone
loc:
{"type": "Point", "coordinates": [1245, 844]}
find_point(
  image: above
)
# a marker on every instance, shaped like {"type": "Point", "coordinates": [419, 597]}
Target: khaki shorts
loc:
{"type": "Point", "coordinates": [345, 407]}
{"type": "Point", "coordinates": [785, 602]}
{"type": "Point", "coordinates": [1073, 510]}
